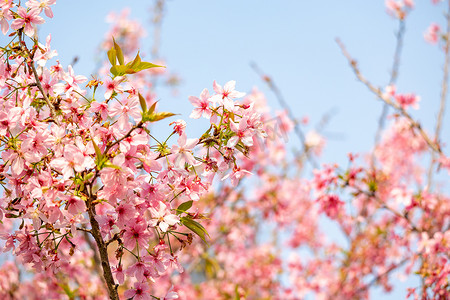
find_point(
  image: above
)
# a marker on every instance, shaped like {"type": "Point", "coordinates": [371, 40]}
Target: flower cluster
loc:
{"type": "Point", "coordinates": [81, 169]}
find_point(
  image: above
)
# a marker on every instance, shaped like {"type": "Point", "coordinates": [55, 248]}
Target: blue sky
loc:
{"type": "Point", "coordinates": [292, 41]}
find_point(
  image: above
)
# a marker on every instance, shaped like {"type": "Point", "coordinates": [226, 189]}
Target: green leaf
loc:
{"type": "Point", "coordinates": [100, 158]}
{"type": "Point", "coordinates": [146, 65]}
{"type": "Point", "coordinates": [211, 267]}
{"type": "Point", "coordinates": [135, 63]}
{"type": "Point", "coordinates": [108, 164]}
{"type": "Point", "coordinates": [112, 56]}
{"type": "Point", "coordinates": [119, 53]}
{"type": "Point", "coordinates": [118, 70]}
{"type": "Point", "coordinates": [98, 152]}
{"type": "Point", "coordinates": [195, 227]}
{"type": "Point", "coordinates": [152, 108]}
{"type": "Point", "coordinates": [154, 117]}
{"type": "Point", "coordinates": [71, 294]}
{"type": "Point", "coordinates": [143, 103]}
{"type": "Point", "coordinates": [184, 207]}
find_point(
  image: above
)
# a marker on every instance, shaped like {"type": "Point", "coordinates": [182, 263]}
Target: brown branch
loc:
{"type": "Point", "coordinates": [138, 125]}
{"type": "Point", "coordinates": [30, 64]}
{"type": "Point", "coordinates": [378, 92]}
{"type": "Point", "coordinates": [102, 249]}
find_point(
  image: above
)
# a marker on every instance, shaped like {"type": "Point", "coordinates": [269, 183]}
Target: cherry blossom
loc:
{"type": "Point", "coordinates": [27, 19]}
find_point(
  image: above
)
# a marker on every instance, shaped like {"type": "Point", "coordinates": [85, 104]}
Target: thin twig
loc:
{"type": "Point", "coordinates": [392, 80]}
{"type": "Point", "coordinates": [138, 125]}
{"type": "Point", "coordinates": [30, 64]}
{"type": "Point", "coordinates": [444, 91]}
{"type": "Point", "coordinates": [378, 277]}
{"type": "Point", "coordinates": [297, 130]}
{"type": "Point", "coordinates": [378, 92]}
{"type": "Point", "coordinates": [158, 13]}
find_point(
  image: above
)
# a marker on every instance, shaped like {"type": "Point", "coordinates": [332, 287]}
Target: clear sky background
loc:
{"type": "Point", "coordinates": [292, 41]}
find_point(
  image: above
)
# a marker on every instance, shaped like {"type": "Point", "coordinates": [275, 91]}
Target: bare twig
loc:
{"type": "Point", "coordinates": [378, 92]}
{"type": "Point", "coordinates": [444, 92]}
{"type": "Point", "coordinates": [392, 80]}
{"type": "Point", "coordinates": [297, 130]}
{"type": "Point", "coordinates": [377, 278]}
{"type": "Point", "coordinates": [158, 13]}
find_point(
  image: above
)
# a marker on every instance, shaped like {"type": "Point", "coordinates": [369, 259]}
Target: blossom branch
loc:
{"type": "Point", "coordinates": [102, 248]}
{"type": "Point", "coordinates": [394, 75]}
{"type": "Point", "coordinates": [138, 125]}
{"type": "Point", "coordinates": [298, 131]}
{"type": "Point", "coordinates": [378, 92]}
{"type": "Point", "coordinates": [36, 78]}
{"type": "Point", "coordinates": [380, 276]}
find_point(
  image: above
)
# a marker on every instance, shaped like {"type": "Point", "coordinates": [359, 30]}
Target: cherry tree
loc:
{"type": "Point", "coordinates": [95, 205]}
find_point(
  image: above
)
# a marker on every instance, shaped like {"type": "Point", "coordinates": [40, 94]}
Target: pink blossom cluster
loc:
{"type": "Point", "coordinates": [399, 8]}
{"type": "Point", "coordinates": [81, 169]}
{"type": "Point", "coordinates": [432, 33]}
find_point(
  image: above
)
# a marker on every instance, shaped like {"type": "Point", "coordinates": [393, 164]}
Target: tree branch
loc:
{"type": "Point", "coordinates": [392, 80]}
{"type": "Point", "coordinates": [444, 91]}
{"type": "Point", "coordinates": [378, 92]}
{"type": "Point", "coordinates": [102, 248]}
{"type": "Point", "coordinates": [298, 131]}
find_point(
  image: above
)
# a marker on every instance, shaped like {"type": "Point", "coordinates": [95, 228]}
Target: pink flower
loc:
{"type": "Point", "coordinates": [201, 105]}
{"type": "Point", "coordinates": [42, 5]}
{"type": "Point", "coordinates": [179, 126]}
{"type": "Point", "coordinates": [432, 34]}
{"type": "Point", "coordinates": [236, 175]}
{"type": "Point", "coordinates": [101, 108]}
{"type": "Point", "coordinates": [136, 233]}
{"type": "Point", "coordinates": [71, 84]}
{"type": "Point", "coordinates": [16, 161]}
{"type": "Point", "coordinates": [140, 270]}
{"type": "Point", "coordinates": [27, 19]}
{"type": "Point", "coordinates": [44, 53]}
{"type": "Point", "coordinates": [128, 107]}
{"type": "Point", "coordinates": [150, 163]}
{"type": "Point", "coordinates": [330, 205]}
{"type": "Point", "coordinates": [5, 15]}
{"type": "Point", "coordinates": [73, 159]}
{"type": "Point", "coordinates": [35, 145]}
{"type": "Point", "coordinates": [75, 205]}
{"type": "Point", "coordinates": [140, 291]}
{"type": "Point", "coordinates": [170, 295]}
{"type": "Point", "coordinates": [120, 275]}
{"type": "Point", "coordinates": [163, 218]}
{"type": "Point", "coordinates": [242, 133]}
{"type": "Point", "coordinates": [125, 212]}
{"type": "Point", "coordinates": [183, 151]}
{"type": "Point", "coordinates": [113, 86]}
{"type": "Point", "coordinates": [399, 9]}
{"type": "Point", "coordinates": [406, 100]}
{"type": "Point", "coordinates": [226, 94]}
